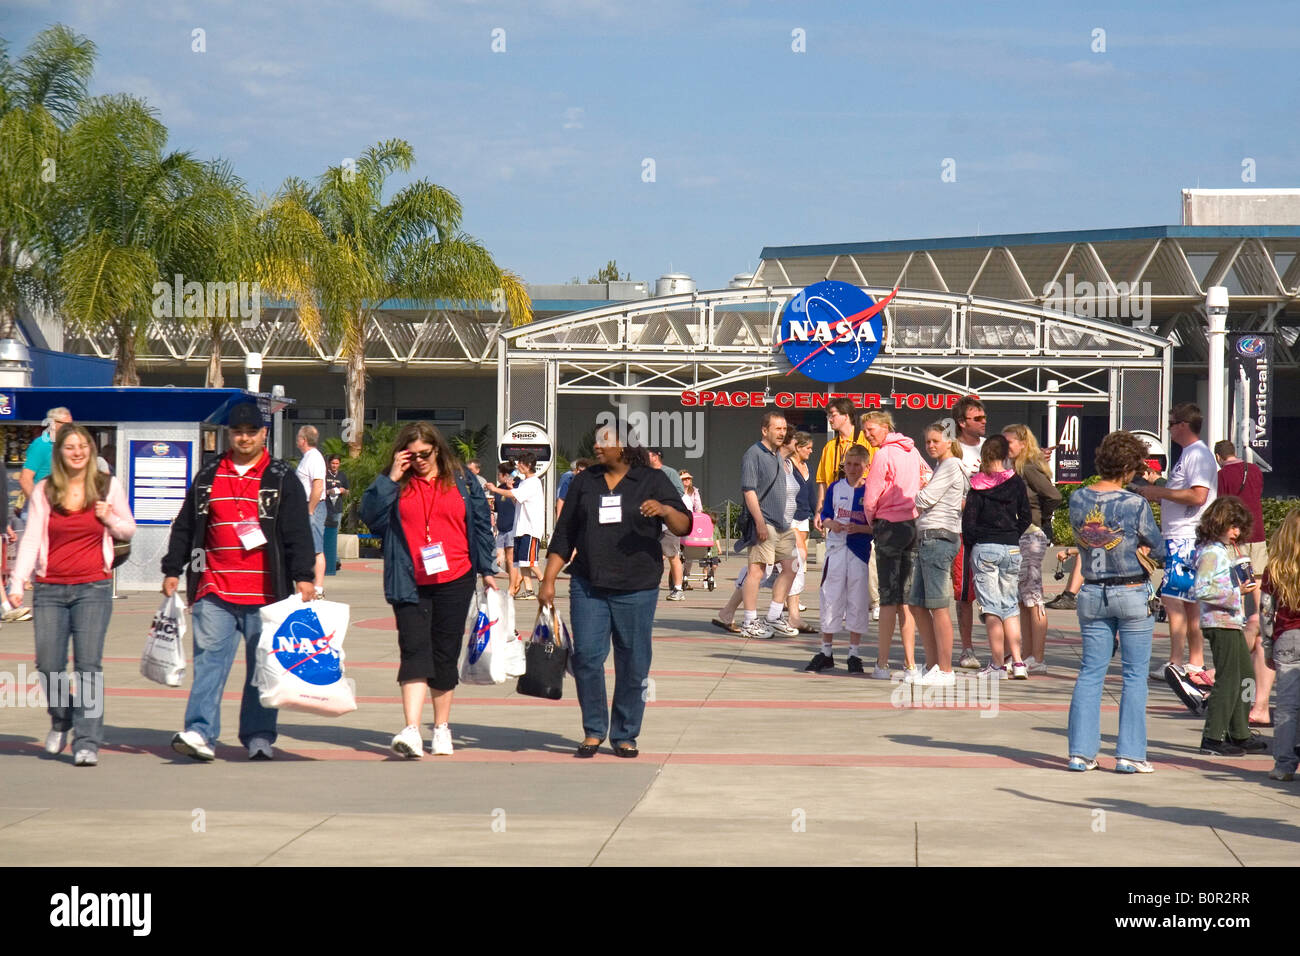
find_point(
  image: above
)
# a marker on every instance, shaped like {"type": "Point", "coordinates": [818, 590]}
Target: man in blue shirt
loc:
{"type": "Point", "coordinates": [40, 452]}
{"type": "Point", "coordinates": [566, 479]}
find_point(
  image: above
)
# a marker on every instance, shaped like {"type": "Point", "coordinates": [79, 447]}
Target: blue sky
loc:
{"type": "Point", "coordinates": [753, 144]}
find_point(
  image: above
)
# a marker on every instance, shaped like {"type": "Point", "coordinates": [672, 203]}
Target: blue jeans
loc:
{"type": "Point", "coordinates": [1105, 613]}
{"type": "Point", "coordinates": [331, 549]}
{"type": "Point", "coordinates": [1286, 657]}
{"type": "Point", "coordinates": [996, 569]}
{"type": "Point", "coordinates": [596, 615]}
{"type": "Point", "coordinates": [79, 612]}
{"type": "Point", "coordinates": [218, 625]}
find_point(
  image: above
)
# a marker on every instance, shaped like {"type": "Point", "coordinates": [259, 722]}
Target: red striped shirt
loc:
{"type": "Point", "coordinates": [431, 513]}
{"type": "Point", "coordinates": [233, 574]}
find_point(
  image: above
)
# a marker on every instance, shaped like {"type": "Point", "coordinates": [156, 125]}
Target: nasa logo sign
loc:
{"type": "Point", "coordinates": [832, 331]}
{"type": "Point", "coordinates": [301, 646]}
{"type": "Point", "coordinates": [1251, 346]}
{"type": "Point", "coordinates": [161, 449]}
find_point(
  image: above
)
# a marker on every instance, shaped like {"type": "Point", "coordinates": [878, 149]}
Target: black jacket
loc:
{"type": "Point", "coordinates": [380, 512]}
{"type": "Point", "coordinates": [282, 513]}
{"type": "Point", "coordinates": [997, 515]}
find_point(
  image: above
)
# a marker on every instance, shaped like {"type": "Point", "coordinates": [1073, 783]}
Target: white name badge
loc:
{"type": "Point", "coordinates": [435, 561]}
{"type": "Point", "coordinates": [250, 535]}
{"type": "Point", "coordinates": [611, 509]}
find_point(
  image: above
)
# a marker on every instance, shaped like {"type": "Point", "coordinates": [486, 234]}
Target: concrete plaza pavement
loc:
{"type": "Point", "coordinates": [745, 759]}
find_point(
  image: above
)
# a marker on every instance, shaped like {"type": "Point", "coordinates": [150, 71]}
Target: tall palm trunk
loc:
{"type": "Point", "coordinates": [126, 373]}
{"type": "Point", "coordinates": [215, 378]}
{"type": "Point", "coordinates": [356, 389]}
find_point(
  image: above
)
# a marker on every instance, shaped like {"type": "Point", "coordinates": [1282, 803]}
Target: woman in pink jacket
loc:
{"type": "Point", "coordinates": [73, 518]}
{"type": "Point", "coordinates": [889, 498]}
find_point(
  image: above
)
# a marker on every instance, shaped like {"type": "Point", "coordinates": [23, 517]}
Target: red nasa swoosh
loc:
{"type": "Point", "coordinates": [856, 319]}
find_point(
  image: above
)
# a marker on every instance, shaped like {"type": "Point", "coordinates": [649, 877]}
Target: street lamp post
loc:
{"type": "Point", "coordinates": [1216, 318]}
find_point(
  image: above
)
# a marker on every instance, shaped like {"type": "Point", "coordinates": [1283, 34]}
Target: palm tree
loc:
{"type": "Point", "coordinates": [138, 216]}
{"type": "Point", "coordinates": [39, 97]}
{"type": "Point", "coordinates": [272, 243]}
{"type": "Point", "coordinates": [409, 247]}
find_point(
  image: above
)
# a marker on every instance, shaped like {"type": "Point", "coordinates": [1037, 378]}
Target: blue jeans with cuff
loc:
{"type": "Point", "coordinates": [219, 627]}
{"type": "Point", "coordinates": [1105, 613]}
{"type": "Point", "coordinates": [599, 616]}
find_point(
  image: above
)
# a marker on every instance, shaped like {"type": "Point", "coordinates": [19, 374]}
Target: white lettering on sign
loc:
{"type": "Point", "coordinates": [1070, 434]}
{"type": "Point", "coordinates": [809, 330]}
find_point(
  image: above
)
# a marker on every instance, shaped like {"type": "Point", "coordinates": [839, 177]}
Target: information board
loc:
{"type": "Point", "coordinates": [160, 475]}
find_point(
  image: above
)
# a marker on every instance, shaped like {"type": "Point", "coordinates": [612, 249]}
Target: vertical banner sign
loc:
{"type": "Point", "coordinates": [1069, 449]}
{"type": "Point", "coordinates": [1250, 385]}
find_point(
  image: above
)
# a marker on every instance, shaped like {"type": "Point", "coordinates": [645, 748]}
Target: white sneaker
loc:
{"type": "Point", "coordinates": [875, 613]}
{"type": "Point", "coordinates": [801, 607]}
{"type": "Point", "coordinates": [408, 743]}
{"type": "Point", "coordinates": [757, 630]}
{"type": "Point", "coordinates": [190, 743]}
{"type": "Point", "coordinates": [938, 678]}
{"type": "Point", "coordinates": [968, 661]}
{"type": "Point", "coordinates": [675, 595]}
{"type": "Point", "coordinates": [1124, 765]}
{"type": "Point", "coordinates": [442, 741]}
{"type": "Point", "coordinates": [782, 627]}
{"type": "Point", "coordinates": [881, 673]}
{"type": "Point", "coordinates": [1035, 666]}
{"type": "Point", "coordinates": [55, 741]}
{"type": "Point", "coordinates": [912, 675]}
{"type": "Point", "coordinates": [86, 758]}
{"type": "Point", "coordinates": [993, 673]}
{"type": "Point", "coordinates": [259, 748]}
{"type": "Point", "coordinates": [1019, 671]}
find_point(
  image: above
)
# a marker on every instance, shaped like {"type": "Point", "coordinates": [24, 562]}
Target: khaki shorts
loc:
{"type": "Point", "coordinates": [670, 544]}
{"type": "Point", "coordinates": [779, 546]}
{"type": "Point", "coordinates": [1258, 551]}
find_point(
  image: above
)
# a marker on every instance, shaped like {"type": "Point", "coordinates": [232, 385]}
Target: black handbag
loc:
{"type": "Point", "coordinates": [746, 534]}
{"type": "Point", "coordinates": [547, 657]}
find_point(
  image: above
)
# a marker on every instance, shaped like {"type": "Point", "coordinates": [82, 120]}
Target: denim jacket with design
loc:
{"type": "Point", "coordinates": [1109, 527]}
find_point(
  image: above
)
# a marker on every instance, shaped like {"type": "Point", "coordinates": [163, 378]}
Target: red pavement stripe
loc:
{"type": "Point", "coordinates": [923, 761]}
{"type": "Point", "coordinates": [177, 693]}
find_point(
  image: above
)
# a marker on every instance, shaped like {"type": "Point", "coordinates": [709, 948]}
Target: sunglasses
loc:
{"type": "Point", "coordinates": [422, 455]}
{"type": "Point", "coordinates": [977, 418]}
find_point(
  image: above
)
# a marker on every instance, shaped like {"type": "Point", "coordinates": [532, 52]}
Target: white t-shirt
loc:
{"type": "Point", "coordinates": [311, 468]}
{"type": "Point", "coordinates": [1196, 468]}
{"type": "Point", "coordinates": [970, 458]}
{"type": "Point", "coordinates": [528, 511]}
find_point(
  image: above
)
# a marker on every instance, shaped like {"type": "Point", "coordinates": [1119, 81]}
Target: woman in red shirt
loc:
{"type": "Point", "coordinates": [74, 517]}
{"type": "Point", "coordinates": [437, 533]}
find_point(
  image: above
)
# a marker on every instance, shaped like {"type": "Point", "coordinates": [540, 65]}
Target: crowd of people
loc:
{"type": "Point", "coordinates": [904, 540]}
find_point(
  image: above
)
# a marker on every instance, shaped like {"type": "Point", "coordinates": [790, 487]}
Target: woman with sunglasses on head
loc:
{"type": "Point", "coordinates": [613, 516]}
{"type": "Point", "coordinates": [73, 519]}
{"type": "Point", "coordinates": [437, 535]}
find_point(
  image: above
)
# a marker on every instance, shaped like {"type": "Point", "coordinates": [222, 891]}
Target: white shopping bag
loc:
{"type": "Point", "coordinates": [515, 656]}
{"type": "Point", "coordinates": [163, 660]}
{"type": "Point", "coordinates": [300, 657]}
{"type": "Point", "coordinates": [487, 628]}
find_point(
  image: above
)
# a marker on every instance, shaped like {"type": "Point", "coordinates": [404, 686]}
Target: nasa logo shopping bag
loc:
{"type": "Point", "coordinates": [484, 659]}
{"type": "Point", "coordinates": [300, 657]}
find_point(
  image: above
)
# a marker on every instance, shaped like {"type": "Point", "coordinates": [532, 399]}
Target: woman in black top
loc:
{"type": "Point", "coordinates": [613, 516]}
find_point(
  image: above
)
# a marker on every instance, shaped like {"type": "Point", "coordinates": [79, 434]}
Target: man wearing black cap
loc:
{"type": "Point", "coordinates": [244, 540]}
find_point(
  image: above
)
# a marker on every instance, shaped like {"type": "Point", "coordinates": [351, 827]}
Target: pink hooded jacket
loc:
{"type": "Point", "coordinates": [897, 474]}
{"type": "Point", "coordinates": [34, 548]}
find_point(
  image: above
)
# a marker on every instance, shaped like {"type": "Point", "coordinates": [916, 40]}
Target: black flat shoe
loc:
{"type": "Point", "coordinates": [624, 751]}
{"type": "Point", "coordinates": [588, 750]}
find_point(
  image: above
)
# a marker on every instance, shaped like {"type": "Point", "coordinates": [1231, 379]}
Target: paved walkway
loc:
{"type": "Point", "coordinates": [745, 759]}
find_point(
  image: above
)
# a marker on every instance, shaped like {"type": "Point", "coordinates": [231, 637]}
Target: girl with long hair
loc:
{"type": "Point", "coordinates": [437, 534]}
{"type": "Point", "coordinates": [1280, 620]}
{"type": "Point", "coordinates": [74, 517]}
{"type": "Point", "coordinates": [1027, 459]}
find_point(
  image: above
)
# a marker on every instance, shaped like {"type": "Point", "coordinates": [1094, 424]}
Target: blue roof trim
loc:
{"type": "Point", "coordinates": [1033, 239]}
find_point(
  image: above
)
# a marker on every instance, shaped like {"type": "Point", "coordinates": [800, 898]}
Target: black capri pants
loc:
{"type": "Point", "coordinates": [431, 631]}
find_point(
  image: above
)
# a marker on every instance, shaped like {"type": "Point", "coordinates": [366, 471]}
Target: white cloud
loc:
{"type": "Point", "coordinates": [573, 117]}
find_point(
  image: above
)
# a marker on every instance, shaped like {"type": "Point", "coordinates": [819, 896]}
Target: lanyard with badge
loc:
{"type": "Point", "coordinates": [248, 529]}
{"type": "Point", "coordinates": [432, 554]}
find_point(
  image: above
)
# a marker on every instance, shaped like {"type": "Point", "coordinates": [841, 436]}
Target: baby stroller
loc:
{"type": "Point", "coordinates": [701, 547]}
